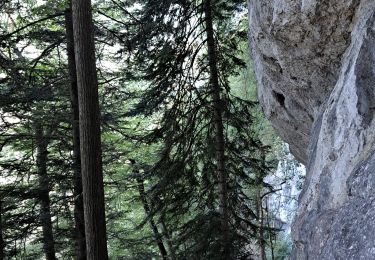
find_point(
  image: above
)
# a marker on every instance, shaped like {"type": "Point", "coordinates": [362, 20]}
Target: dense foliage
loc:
{"type": "Point", "coordinates": [189, 160]}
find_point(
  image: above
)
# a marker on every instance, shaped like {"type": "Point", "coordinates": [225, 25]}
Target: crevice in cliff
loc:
{"type": "Point", "coordinates": [280, 98]}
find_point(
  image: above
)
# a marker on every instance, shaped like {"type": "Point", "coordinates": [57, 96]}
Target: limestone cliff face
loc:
{"type": "Point", "coordinates": [315, 65]}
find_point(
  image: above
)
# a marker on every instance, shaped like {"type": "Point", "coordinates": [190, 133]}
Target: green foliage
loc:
{"type": "Point", "coordinates": [157, 127]}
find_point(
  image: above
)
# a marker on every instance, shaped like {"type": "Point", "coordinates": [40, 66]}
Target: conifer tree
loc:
{"type": "Point", "coordinates": [33, 103]}
{"type": "Point", "coordinates": [188, 50]}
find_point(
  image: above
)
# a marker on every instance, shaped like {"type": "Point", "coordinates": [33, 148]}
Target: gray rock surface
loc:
{"type": "Point", "coordinates": [297, 51]}
{"type": "Point", "coordinates": [315, 65]}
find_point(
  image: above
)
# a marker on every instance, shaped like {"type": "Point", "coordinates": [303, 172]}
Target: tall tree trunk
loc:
{"type": "Point", "coordinates": [218, 121]}
{"type": "Point", "coordinates": [146, 207]}
{"type": "Point", "coordinates": [41, 141]}
{"type": "Point", "coordinates": [89, 128]}
{"type": "Point", "coordinates": [80, 240]}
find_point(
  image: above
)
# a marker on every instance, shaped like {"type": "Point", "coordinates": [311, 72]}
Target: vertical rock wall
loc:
{"type": "Point", "coordinates": [315, 65]}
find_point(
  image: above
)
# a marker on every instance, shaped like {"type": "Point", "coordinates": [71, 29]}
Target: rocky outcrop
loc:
{"type": "Point", "coordinates": [315, 65]}
{"type": "Point", "coordinates": [297, 51]}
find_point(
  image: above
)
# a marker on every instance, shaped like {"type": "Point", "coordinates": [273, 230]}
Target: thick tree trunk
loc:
{"type": "Point", "coordinates": [79, 220]}
{"type": "Point", "coordinates": [89, 126]}
{"type": "Point", "coordinates": [41, 142]}
{"type": "Point", "coordinates": [218, 121]}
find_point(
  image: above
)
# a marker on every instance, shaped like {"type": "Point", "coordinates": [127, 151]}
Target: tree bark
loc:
{"type": "Point", "coordinates": [89, 126]}
{"type": "Point", "coordinates": [219, 134]}
{"type": "Point", "coordinates": [41, 141]}
{"type": "Point", "coordinates": [80, 239]}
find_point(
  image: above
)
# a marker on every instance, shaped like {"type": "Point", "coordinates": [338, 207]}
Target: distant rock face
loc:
{"type": "Point", "coordinates": [315, 65]}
